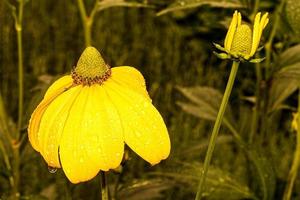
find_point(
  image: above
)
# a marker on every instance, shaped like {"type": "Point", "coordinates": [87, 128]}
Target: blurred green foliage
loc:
{"type": "Point", "coordinates": [170, 42]}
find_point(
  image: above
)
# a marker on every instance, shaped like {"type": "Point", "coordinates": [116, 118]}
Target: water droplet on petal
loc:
{"type": "Point", "coordinates": [52, 170]}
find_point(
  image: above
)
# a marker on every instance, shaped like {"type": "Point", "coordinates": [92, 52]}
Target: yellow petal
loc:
{"type": "Point", "coordinates": [92, 138]}
{"type": "Point", "coordinates": [255, 36]}
{"type": "Point", "coordinates": [61, 82]}
{"type": "Point", "coordinates": [131, 78]}
{"type": "Point", "coordinates": [52, 125]}
{"type": "Point", "coordinates": [57, 88]}
{"type": "Point", "coordinates": [263, 22]}
{"type": "Point", "coordinates": [144, 129]}
{"type": "Point", "coordinates": [231, 31]}
{"type": "Point", "coordinates": [239, 19]}
{"type": "Point", "coordinates": [258, 29]}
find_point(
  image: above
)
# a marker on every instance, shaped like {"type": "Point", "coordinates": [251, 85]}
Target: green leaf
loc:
{"type": "Point", "coordinates": [289, 56]}
{"type": "Point", "coordinates": [119, 3]}
{"type": "Point", "coordinates": [285, 82]}
{"type": "Point", "coordinates": [221, 55]}
{"type": "Point", "coordinates": [144, 189]}
{"type": "Point", "coordinates": [257, 60]}
{"type": "Point", "coordinates": [187, 4]}
{"type": "Point", "coordinates": [219, 47]}
{"type": "Point", "coordinates": [219, 183]}
{"type": "Point", "coordinates": [205, 103]}
{"type": "Point", "coordinates": [264, 173]}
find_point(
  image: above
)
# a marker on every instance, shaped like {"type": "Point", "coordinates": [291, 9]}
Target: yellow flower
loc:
{"type": "Point", "coordinates": [241, 41]}
{"type": "Point", "coordinates": [86, 118]}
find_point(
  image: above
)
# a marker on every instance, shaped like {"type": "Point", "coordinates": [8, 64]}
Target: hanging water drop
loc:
{"type": "Point", "coordinates": [52, 170]}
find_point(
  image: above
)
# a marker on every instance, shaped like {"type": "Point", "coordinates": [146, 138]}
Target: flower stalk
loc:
{"type": "Point", "coordinates": [14, 139]}
{"type": "Point", "coordinates": [212, 141]}
{"type": "Point", "coordinates": [87, 21]}
{"type": "Point", "coordinates": [104, 188]}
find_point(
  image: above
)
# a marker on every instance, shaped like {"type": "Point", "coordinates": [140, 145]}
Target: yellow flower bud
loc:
{"type": "Point", "coordinates": [242, 41]}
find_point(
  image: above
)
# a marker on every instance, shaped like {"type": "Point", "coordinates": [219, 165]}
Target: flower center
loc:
{"type": "Point", "coordinates": [90, 68]}
{"type": "Point", "coordinates": [242, 40]}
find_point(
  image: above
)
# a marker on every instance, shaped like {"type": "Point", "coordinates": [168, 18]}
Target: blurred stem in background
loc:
{"type": "Point", "coordinates": [14, 142]}
{"type": "Point", "coordinates": [257, 107]}
{"type": "Point", "coordinates": [213, 138]}
{"type": "Point", "coordinates": [255, 9]}
{"type": "Point", "coordinates": [87, 20]}
{"type": "Point", "coordinates": [6, 137]}
{"type": "Point", "coordinates": [256, 111]}
{"type": "Point", "coordinates": [268, 72]}
{"type": "Point", "coordinates": [18, 27]}
{"type": "Point", "coordinates": [296, 161]}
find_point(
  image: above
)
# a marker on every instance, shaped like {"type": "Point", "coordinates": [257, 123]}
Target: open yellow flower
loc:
{"type": "Point", "coordinates": [241, 41]}
{"type": "Point", "coordinates": [85, 118]}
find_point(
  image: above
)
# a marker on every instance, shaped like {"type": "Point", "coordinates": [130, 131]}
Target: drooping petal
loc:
{"type": "Point", "coordinates": [60, 83]}
{"type": "Point", "coordinates": [144, 129]}
{"type": "Point", "coordinates": [52, 125]}
{"type": "Point", "coordinates": [231, 31]}
{"type": "Point", "coordinates": [92, 138]}
{"type": "Point", "coordinates": [56, 89]}
{"type": "Point", "coordinates": [131, 78]}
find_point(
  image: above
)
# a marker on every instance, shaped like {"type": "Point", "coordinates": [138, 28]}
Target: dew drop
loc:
{"type": "Point", "coordinates": [52, 170]}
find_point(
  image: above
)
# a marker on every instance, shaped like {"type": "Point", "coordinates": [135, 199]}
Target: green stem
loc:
{"type": "Point", "coordinates": [255, 9]}
{"type": "Point", "coordinates": [15, 143]}
{"type": "Point", "coordinates": [216, 128]}
{"type": "Point", "coordinates": [7, 163]}
{"type": "Point", "coordinates": [104, 188]}
{"type": "Point", "coordinates": [20, 78]}
{"type": "Point", "coordinates": [16, 172]}
{"type": "Point", "coordinates": [87, 20]}
{"type": "Point", "coordinates": [296, 161]}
